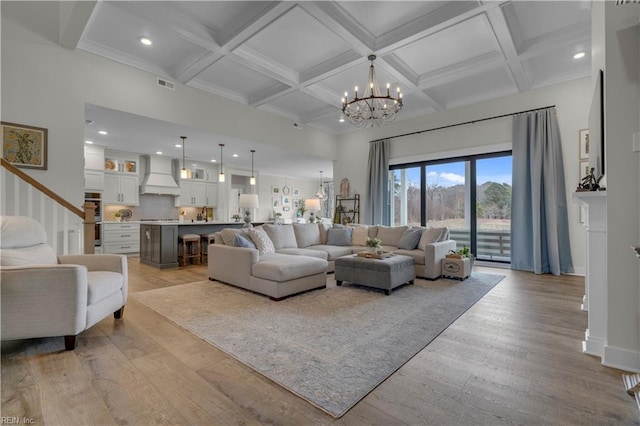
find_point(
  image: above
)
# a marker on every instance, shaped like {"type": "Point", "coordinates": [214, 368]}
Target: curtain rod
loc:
{"type": "Point", "coordinates": [461, 124]}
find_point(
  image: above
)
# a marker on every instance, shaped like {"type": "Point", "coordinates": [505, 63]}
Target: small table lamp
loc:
{"type": "Point", "coordinates": [313, 205]}
{"type": "Point", "coordinates": [248, 201]}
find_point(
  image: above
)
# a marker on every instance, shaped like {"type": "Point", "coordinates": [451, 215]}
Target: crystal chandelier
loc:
{"type": "Point", "coordinates": [373, 108]}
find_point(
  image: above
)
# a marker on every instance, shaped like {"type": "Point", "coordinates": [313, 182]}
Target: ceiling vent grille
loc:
{"type": "Point", "coordinates": [166, 84]}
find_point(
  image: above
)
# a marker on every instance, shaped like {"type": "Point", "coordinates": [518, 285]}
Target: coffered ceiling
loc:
{"type": "Point", "coordinates": [296, 59]}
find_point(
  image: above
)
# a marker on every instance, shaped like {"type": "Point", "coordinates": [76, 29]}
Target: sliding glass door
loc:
{"type": "Point", "coordinates": [470, 195]}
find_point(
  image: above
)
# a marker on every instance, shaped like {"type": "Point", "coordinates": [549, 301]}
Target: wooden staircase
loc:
{"type": "Point", "coordinates": [70, 230]}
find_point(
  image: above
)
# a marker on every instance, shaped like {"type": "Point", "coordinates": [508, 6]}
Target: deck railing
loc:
{"type": "Point", "coordinates": [492, 245]}
{"type": "Point", "coordinates": [70, 230]}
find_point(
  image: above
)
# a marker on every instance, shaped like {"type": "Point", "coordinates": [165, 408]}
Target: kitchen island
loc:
{"type": "Point", "coordinates": [159, 239]}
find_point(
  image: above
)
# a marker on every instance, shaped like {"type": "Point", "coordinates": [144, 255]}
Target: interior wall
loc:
{"type": "Point", "coordinates": [572, 100]}
{"type": "Point", "coordinates": [47, 86]}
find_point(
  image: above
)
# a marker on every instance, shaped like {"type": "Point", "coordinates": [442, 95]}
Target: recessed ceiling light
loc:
{"type": "Point", "coordinates": [145, 40]}
{"type": "Point", "coordinates": [89, 142]}
{"type": "Point", "coordinates": [235, 155]}
{"type": "Point", "coordinates": [579, 55]}
{"type": "Point", "coordinates": [178, 145]}
{"type": "Point", "coordinates": [159, 152]}
{"type": "Point", "coordinates": [213, 161]}
{"type": "Point", "coordinates": [103, 132]}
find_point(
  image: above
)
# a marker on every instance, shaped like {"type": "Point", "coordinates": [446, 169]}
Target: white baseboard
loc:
{"type": "Point", "coordinates": [622, 359]}
{"type": "Point", "coordinates": [578, 271]}
{"type": "Point", "coordinates": [592, 346]}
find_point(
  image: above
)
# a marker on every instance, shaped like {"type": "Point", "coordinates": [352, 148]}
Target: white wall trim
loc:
{"type": "Point", "coordinates": [622, 359]}
{"type": "Point", "coordinates": [486, 149]}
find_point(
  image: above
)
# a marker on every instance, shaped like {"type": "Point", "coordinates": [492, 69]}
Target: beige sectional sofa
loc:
{"type": "Point", "coordinates": [288, 259]}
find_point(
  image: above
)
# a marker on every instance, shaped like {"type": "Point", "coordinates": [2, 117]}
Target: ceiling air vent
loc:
{"type": "Point", "coordinates": [166, 84]}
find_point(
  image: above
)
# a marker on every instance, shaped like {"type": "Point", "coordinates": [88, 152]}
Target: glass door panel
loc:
{"type": "Point", "coordinates": [447, 199]}
{"type": "Point", "coordinates": [493, 193]}
{"type": "Point", "coordinates": [406, 202]}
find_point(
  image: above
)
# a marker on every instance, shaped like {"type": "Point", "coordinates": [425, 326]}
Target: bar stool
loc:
{"type": "Point", "coordinates": [190, 247]}
{"type": "Point", "coordinates": [205, 240]}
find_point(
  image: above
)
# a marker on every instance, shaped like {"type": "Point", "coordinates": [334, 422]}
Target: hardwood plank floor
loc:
{"type": "Point", "coordinates": [513, 358]}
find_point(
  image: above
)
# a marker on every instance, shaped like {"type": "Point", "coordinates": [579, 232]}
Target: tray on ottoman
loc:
{"type": "Point", "coordinates": [386, 274]}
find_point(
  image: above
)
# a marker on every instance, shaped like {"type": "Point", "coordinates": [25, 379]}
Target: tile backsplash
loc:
{"type": "Point", "coordinates": [154, 207]}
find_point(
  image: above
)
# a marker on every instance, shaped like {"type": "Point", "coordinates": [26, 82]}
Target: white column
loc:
{"type": "Point", "coordinates": [596, 270]}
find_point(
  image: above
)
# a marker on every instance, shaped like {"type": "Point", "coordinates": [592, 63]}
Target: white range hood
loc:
{"type": "Point", "coordinates": [158, 178]}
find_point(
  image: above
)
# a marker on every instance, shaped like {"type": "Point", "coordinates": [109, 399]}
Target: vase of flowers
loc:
{"type": "Point", "coordinates": [374, 244]}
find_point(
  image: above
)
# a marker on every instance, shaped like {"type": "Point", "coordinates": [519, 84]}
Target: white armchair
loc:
{"type": "Point", "coordinates": [44, 295]}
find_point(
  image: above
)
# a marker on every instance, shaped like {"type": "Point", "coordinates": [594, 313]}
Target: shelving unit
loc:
{"type": "Point", "coordinates": [347, 210]}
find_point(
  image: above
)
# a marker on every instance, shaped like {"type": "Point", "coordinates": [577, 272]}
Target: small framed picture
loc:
{"type": "Point", "coordinates": [584, 169]}
{"type": "Point", "coordinates": [275, 202]}
{"type": "Point", "coordinates": [275, 190]}
{"type": "Point", "coordinates": [24, 146]}
{"type": "Point", "coordinates": [286, 201]}
{"type": "Point", "coordinates": [296, 203]}
{"type": "Point", "coordinates": [584, 144]}
{"type": "Point", "coordinates": [296, 192]}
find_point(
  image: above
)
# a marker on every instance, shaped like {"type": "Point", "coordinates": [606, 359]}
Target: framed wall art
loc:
{"type": "Point", "coordinates": [24, 146]}
{"type": "Point", "coordinates": [584, 169]}
{"type": "Point", "coordinates": [296, 192]}
{"type": "Point", "coordinates": [286, 201]}
{"type": "Point", "coordinates": [275, 202]}
{"type": "Point", "coordinates": [584, 144]}
{"type": "Point", "coordinates": [275, 190]}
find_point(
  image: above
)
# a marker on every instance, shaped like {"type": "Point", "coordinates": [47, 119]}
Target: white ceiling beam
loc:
{"type": "Point", "coordinates": [74, 17]}
{"type": "Point", "coordinates": [507, 44]}
{"type": "Point", "coordinates": [262, 64]}
{"type": "Point", "coordinates": [270, 94]}
{"type": "Point", "coordinates": [461, 70]}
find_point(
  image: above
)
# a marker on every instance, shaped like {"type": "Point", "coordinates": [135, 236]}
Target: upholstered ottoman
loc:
{"type": "Point", "coordinates": [385, 274]}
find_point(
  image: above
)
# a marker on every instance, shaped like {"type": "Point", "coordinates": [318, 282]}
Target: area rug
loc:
{"type": "Point", "coordinates": [331, 346]}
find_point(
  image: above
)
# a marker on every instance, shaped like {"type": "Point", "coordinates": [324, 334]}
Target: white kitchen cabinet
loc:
{"type": "Point", "coordinates": [197, 194]}
{"type": "Point", "coordinates": [93, 180]}
{"type": "Point", "coordinates": [121, 238]}
{"type": "Point", "coordinates": [94, 157]}
{"type": "Point", "coordinates": [121, 189]}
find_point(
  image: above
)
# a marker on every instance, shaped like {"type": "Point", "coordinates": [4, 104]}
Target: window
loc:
{"type": "Point", "coordinates": [470, 195]}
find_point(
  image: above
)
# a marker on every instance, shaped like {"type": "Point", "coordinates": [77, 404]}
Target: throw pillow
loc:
{"type": "Point", "coordinates": [429, 236]}
{"type": "Point", "coordinates": [242, 241]}
{"type": "Point", "coordinates": [390, 236]}
{"type": "Point", "coordinates": [324, 227]}
{"type": "Point", "coordinates": [444, 236]}
{"type": "Point", "coordinates": [339, 237]}
{"type": "Point", "coordinates": [262, 241]}
{"type": "Point", "coordinates": [228, 235]}
{"type": "Point", "coordinates": [410, 239]}
{"type": "Point", "coordinates": [359, 235]}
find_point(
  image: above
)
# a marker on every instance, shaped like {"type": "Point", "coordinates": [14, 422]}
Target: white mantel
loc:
{"type": "Point", "coordinates": [595, 298]}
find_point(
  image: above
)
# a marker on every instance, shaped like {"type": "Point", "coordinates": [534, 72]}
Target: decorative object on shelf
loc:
{"type": "Point", "coordinates": [583, 140]}
{"type": "Point", "coordinates": [344, 188]}
{"type": "Point", "coordinates": [373, 109]}
{"type": "Point", "coordinates": [124, 214]}
{"type": "Point", "coordinates": [583, 171]}
{"type": "Point", "coordinates": [236, 217]}
{"type": "Point", "coordinates": [302, 207]}
{"type": "Point", "coordinates": [347, 210]}
{"type": "Point", "coordinates": [184, 173]}
{"type": "Point", "coordinates": [118, 216]}
{"type": "Point", "coordinates": [248, 201]}
{"type": "Point", "coordinates": [590, 182]}
{"type": "Point", "coordinates": [221, 174]}
{"type": "Point", "coordinates": [252, 179]}
{"type": "Point", "coordinates": [313, 205]}
{"type": "Point", "coordinates": [464, 252]}
{"type": "Point", "coordinates": [637, 250]}
{"type": "Point", "coordinates": [24, 146]}
{"type": "Point", "coordinates": [109, 165]}
{"type": "Point", "coordinates": [321, 194]}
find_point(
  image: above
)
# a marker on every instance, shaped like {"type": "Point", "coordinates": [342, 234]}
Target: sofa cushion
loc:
{"type": "Point", "coordinates": [307, 234]}
{"type": "Point", "coordinates": [102, 284]}
{"type": "Point", "coordinates": [373, 232]}
{"type": "Point", "coordinates": [262, 241]}
{"type": "Point", "coordinates": [333, 252]}
{"type": "Point", "coordinates": [410, 239]}
{"type": "Point", "coordinates": [20, 231]}
{"type": "Point", "coordinates": [432, 235]}
{"type": "Point", "coordinates": [445, 234]}
{"type": "Point", "coordinates": [390, 236]}
{"type": "Point", "coordinates": [282, 236]}
{"type": "Point", "coordinates": [417, 255]}
{"type": "Point", "coordinates": [304, 252]}
{"type": "Point", "coordinates": [284, 267]}
{"type": "Point", "coordinates": [339, 237]}
{"type": "Point", "coordinates": [359, 235]}
{"type": "Point", "coordinates": [40, 254]}
{"type": "Point", "coordinates": [324, 228]}
{"type": "Point", "coordinates": [243, 241]}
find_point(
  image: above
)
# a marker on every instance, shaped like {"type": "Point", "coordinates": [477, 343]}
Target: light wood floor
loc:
{"type": "Point", "coordinates": [513, 358]}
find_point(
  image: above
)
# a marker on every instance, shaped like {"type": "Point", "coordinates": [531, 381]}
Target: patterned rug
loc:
{"type": "Point", "coordinates": [332, 346]}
